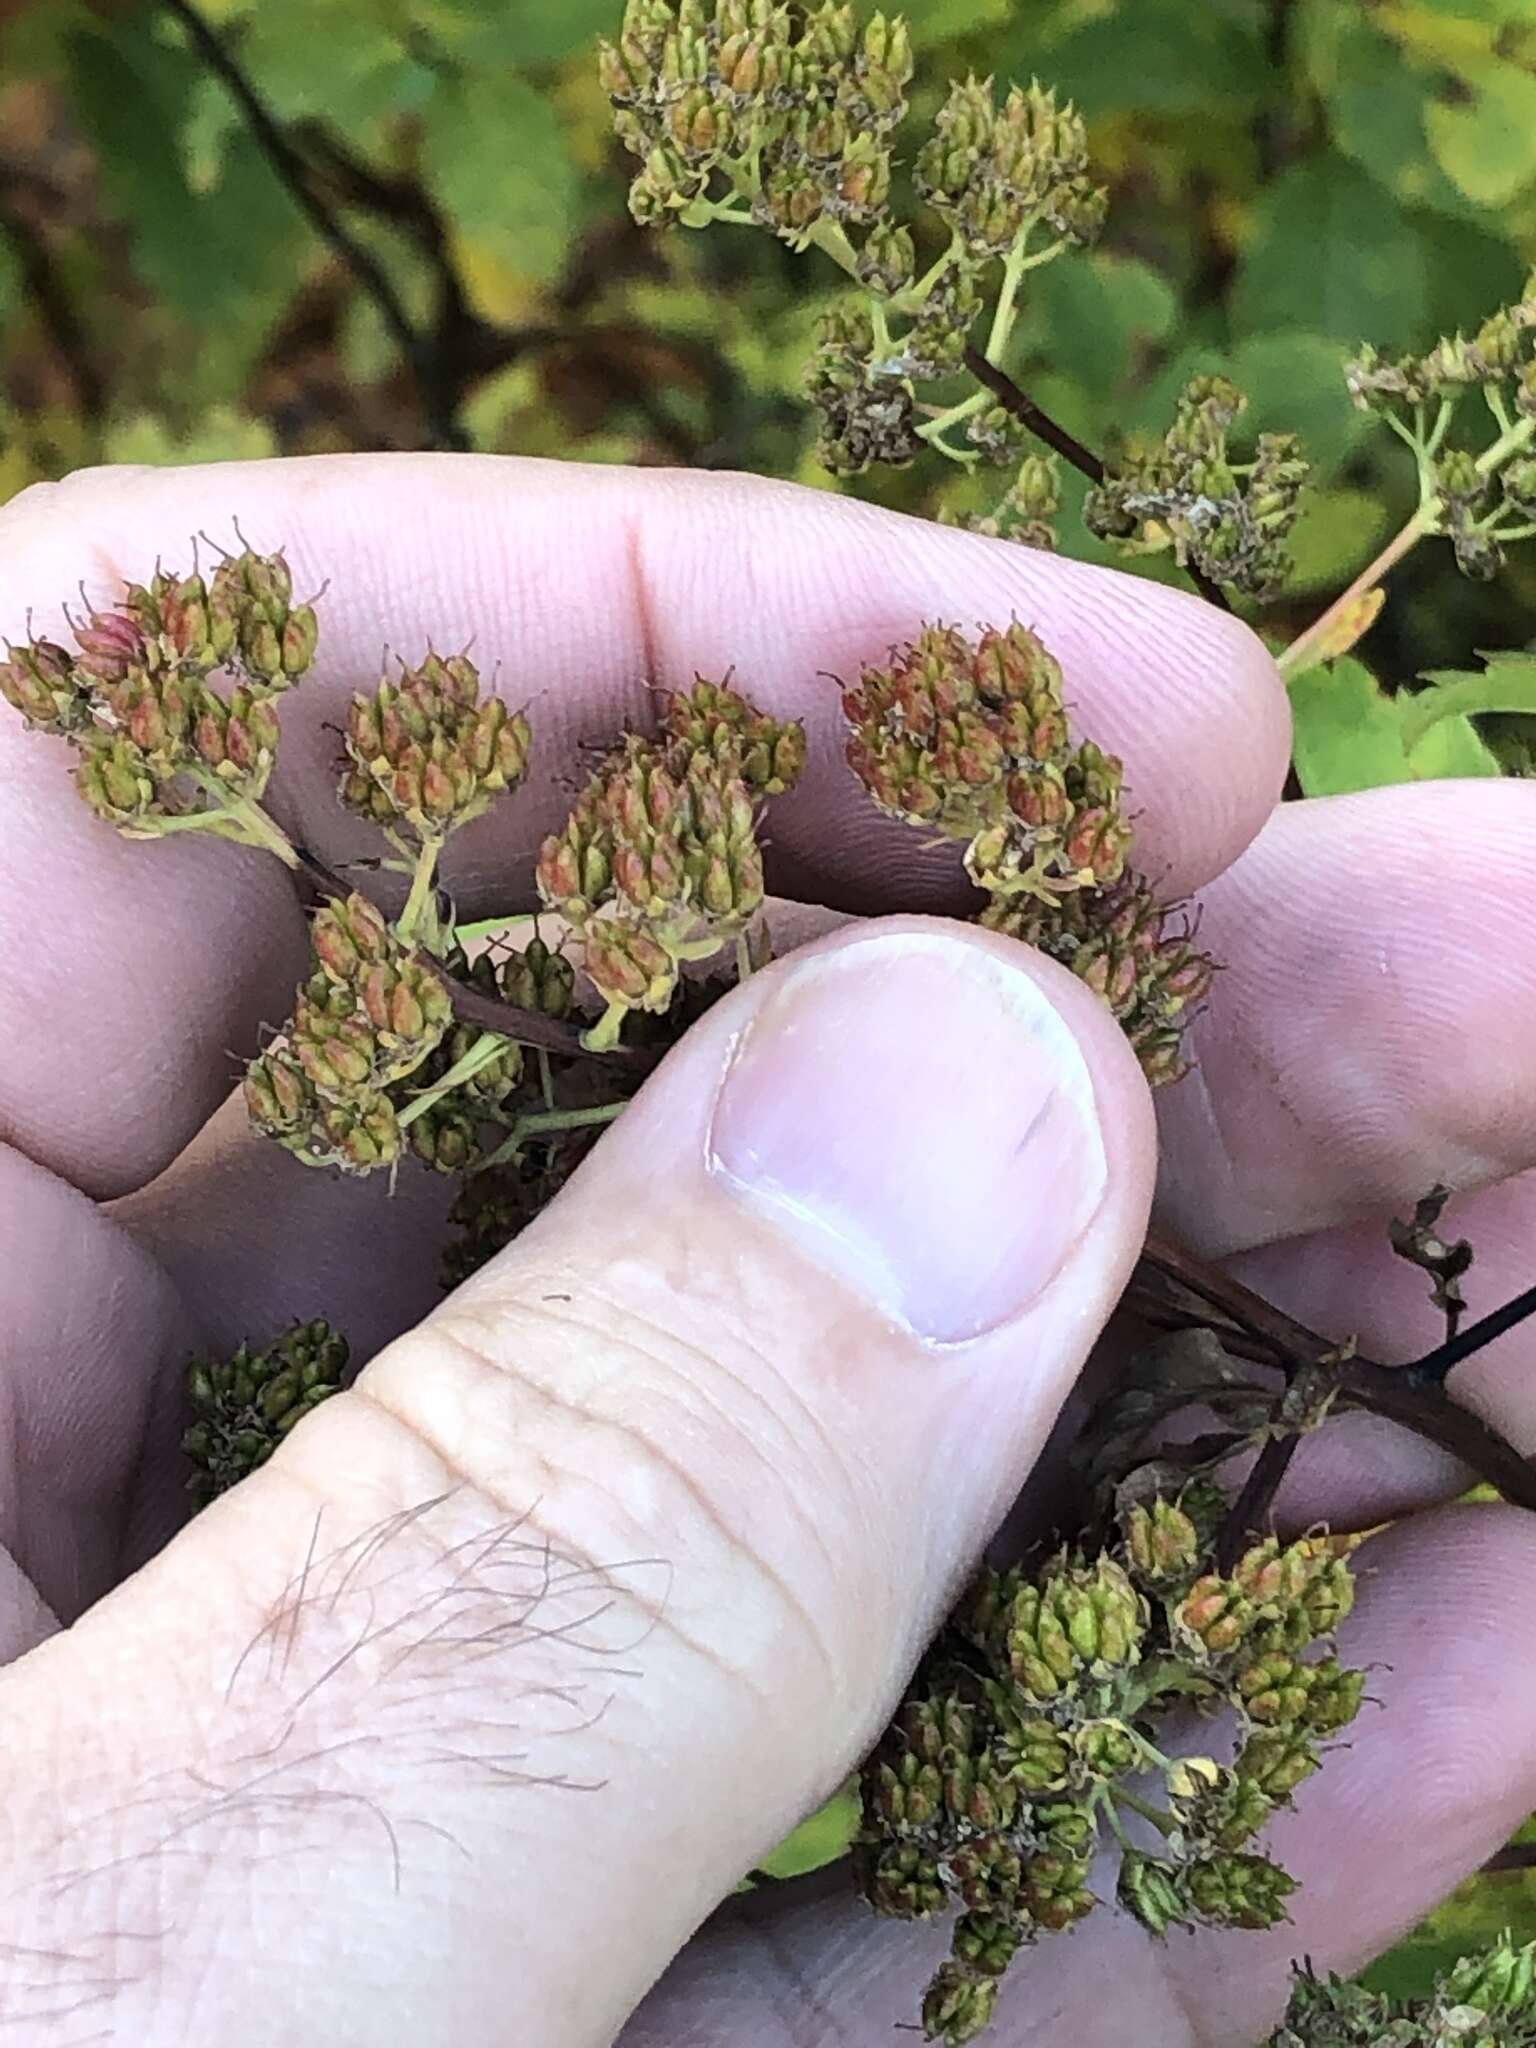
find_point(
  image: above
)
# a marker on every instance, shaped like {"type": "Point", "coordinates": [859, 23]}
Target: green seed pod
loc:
{"type": "Point", "coordinates": [958, 2005]}
{"type": "Point", "coordinates": [1238, 1889]}
{"type": "Point", "coordinates": [1152, 1890]}
{"type": "Point", "coordinates": [246, 1404]}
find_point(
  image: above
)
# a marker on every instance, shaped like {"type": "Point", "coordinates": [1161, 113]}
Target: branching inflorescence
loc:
{"type": "Point", "coordinates": [1144, 1697]}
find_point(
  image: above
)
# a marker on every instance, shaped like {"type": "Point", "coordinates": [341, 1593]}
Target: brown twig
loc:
{"type": "Point", "coordinates": [1039, 422]}
{"type": "Point", "coordinates": [1391, 1392]}
{"type": "Point", "coordinates": [490, 1013]}
{"type": "Point", "coordinates": [1249, 1513]}
{"type": "Point", "coordinates": [443, 424]}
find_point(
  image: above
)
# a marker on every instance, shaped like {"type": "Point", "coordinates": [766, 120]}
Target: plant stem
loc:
{"type": "Point", "coordinates": [1426, 520]}
{"type": "Point", "coordinates": [446, 429]}
{"type": "Point", "coordinates": [1431, 1370]}
{"type": "Point", "coordinates": [1302, 650]}
{"type": "Point", "coordinates": [539, 1123]}
{"type": "Point", "coordinates": [1160, 1818]}
{"type": "Point", "coordinates": [487, 1047]}
{"type": "Point", "coordinates": [418, 905]}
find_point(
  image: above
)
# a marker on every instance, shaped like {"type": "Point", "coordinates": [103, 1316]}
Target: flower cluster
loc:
{"type": "Point", "coordinates": [1482, 2001]}
{"type": "Point", "coordinates": [1131, 950]}
{"type": "Point", "coordinates": [788, 109]}
{"type": "Point", "coordinates": [159, 747]}
{"type": "Point", "coordinates": [1027, 510]}
{"type": "Point", "coordinates": [1026, 1743]}
{"type": "Point", "coordinates": [430, 751]}
{"type": "Point", "coordinates": [1480, 496]}
{"type": "Point", "coordinates": [369, 1016]}
{"type": "Point", "coordinates": [992, 171]}
{"type": "Point", "coordinates": [658, 862]}
{"type": "Point", "coordinates": [1228, 520]}
{"type": "Point", "coordinates": [973, 742]}
{"type": "Point", "coordinates": [755, 112]}
{"type": "Point", "coordinates": [244, 1406]}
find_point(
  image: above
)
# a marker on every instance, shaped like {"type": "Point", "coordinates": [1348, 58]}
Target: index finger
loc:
{"type": "Point", "coordinates": [578, 588]}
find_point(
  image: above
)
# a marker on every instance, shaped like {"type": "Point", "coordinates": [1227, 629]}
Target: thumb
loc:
{"type": "Point", "coordinates": [454, 1721]}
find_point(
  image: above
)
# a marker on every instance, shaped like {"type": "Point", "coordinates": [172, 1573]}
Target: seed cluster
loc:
{"type": "Point", "coordinates": [1486, 2000]}
{"type": "Point", "coordinates": [1027, 1742]}
{"type": "Point", "coordinates": [1229, 520]}
{"type": "Point", "coordinates": [134, 698]}
{"type": "Point", "coordinates": [1484, 490]}
{"type": "Point", "coordinates": [973, 741]}
{"type": "Point", "coordinates": [659, 861]}
{"type": "Point", "coordinates": [244, 1406]}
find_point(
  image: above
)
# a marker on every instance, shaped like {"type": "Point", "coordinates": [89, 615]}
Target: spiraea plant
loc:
{"type": "Point", "coordinates": [1482, 2001]}
{"type": "Point", "coordinates": [1028, 1742]}
{"type": "Point", "coordinates": [1143, 1695]}
{"type": "Point", "coordinates": [1037, 1732]}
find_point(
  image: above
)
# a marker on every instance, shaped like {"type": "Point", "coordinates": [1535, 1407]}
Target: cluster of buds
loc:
{"type": "Point", "coordinates": [973, 742]}
{"type": "Point", "coordinates": [866, 403]}
{"type": "Point", "coordinates": [789, 107]}
{"type": "Point", "coordinates": [1229, 521]}
{"type": "Point", "coordinates": [429, 751]}
{"type": "Point", "coordinates": [753, 110]}
{"type": "Point", "coordinates": [1480, 497]}
{"type": "Point", "coordinates": [1034, 1718]}
{"type": "Point", "coordinates": [244, 1406]}
{"type": "Point", "coordinates": [370, 1015]}
{"type": "Point", "coordinates": [156, 741]}
{"type": "Point", "coordinates": [659, 861]}
{"type": "Point", "coordinates": [1485, 2000]}
{"type": "Point", "coordinates": [991, 171]}
{"type": "Point", "coordinates": [1135, 952]}
{"type": "Point", "coordinates": [1027, 510]}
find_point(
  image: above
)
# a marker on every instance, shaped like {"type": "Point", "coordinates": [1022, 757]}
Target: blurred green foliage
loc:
{"type": "Point", "coordinates": [1288, 177]}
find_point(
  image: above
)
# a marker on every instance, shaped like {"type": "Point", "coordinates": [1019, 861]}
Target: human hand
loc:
{"type": "Point", "coordinates": [454, 1722]}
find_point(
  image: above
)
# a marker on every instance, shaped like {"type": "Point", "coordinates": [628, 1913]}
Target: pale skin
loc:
{"type": "Point", "coordinates": [454, 1724]}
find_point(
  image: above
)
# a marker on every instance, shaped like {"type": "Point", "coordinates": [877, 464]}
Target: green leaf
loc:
{"type": "Point", "coordinates": [534, 31]}
{"type": "Point", "coordinates": [1375, 94]}
{"type": "Point", "coordinates": [932, 20]}
{"type": "Point", "coordinates": [1507, 683]}
{"type": "Point", "coordinates": [1095, 315]}
{"type": "Point", "coordinates": [825, 1837]}
{"type": "Point", "coordinates": [1452, 748]}
{"type": "Point", "coordinates": [1153, 56]}
{"type": "Point", "coordinates": [1483, 134]}
{"type": "Point", "coordinates": [1348, 733]}
{"type": "Point", "coordinates": [280, 44]}
{"type": "Point", "coordinates": [1333, 254]}
{"type": "Point", "coordinates": [1336, 533]}
{"type": "Point", "coordinates": [499, 162]}
{"type": "Point", "coordinates": [227, 259]}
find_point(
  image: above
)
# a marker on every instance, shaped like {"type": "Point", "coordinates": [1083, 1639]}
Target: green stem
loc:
{"type": "Point", "coordinates": [916, 296]}
{"type": "Point", "coordinates": [934, 430]}
{"type": "Point", "coordinates": [539, 1123]}
{"type": "Point", "coordinates": [487, 1047]}
{"type": "Point", "coordinates": [1160, 1818]}
{"type": "Point", "coordinates": [1426, 520]}
{"type": "Point", "coordinates": [418, 905]}
{"type": "Point", "coordinates": [827, 236]}
{"type": "Point", "coordinates": [237, 818]}
{"type": "Point", "coordinates": [546, 1077]}
{"type": "Point", "coordinates": [1006, 311]}
{"type": "Point", "coordinates": [264, 830]}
